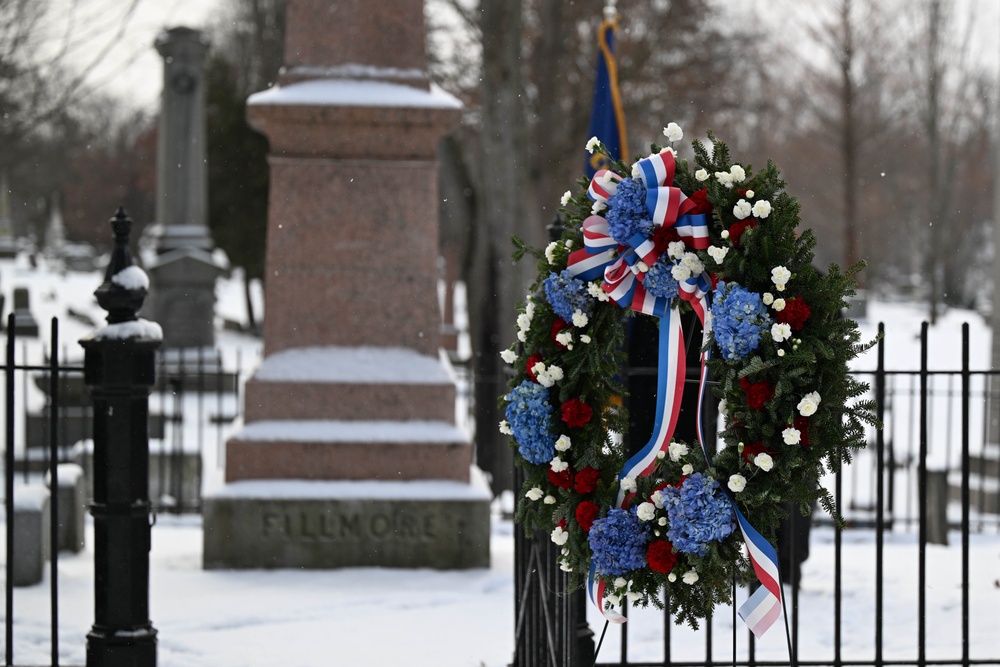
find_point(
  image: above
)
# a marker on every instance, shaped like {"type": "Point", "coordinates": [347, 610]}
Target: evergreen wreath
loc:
{"type": "Point", "coordinates": [779, 363]}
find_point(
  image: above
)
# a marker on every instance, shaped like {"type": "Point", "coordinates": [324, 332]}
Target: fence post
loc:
{"type": "Point", "coordinates": [119, 370]}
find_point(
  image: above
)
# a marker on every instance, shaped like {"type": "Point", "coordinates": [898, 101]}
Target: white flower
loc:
{"type": "Point", "coordinates": [521, 337]}
{"type": "Point", "coordinates": [559, 536]}
{"type": "Point", "coordinates": [555, 372]}
{"type": "Point", "coordinates": [660, 455]}
{"type": "Point", "coordinates": [592, 144]}
{"type": "Point", "coordinates": [779, 304]}
{"type": "Point", "coordinates": [584, 338]}
{"type": "Point", "coordinates": [565, 338]}
{"type": "Point", "coordinates": [780, 276]}
{"type": "Point", "coordinates": [529, 306]}
{"type": "Point", "coordinates": [657, 499]}
{"type": "Point", "coordinates": [791, 436]}
{"type": "Point", "coordinates": [509, 356]}
{"type": "Point", "coordinates": [633, 595]}
{"type": "Point", "coordinates": [580, 318]}
{"type": "Point", "coordinates": [738, 174]}
{"type": "Point", "coordinates": [646, 511]}
{"type": "Point", "coordinates": [642, 266]}
{"type": "Point", "coordinates": [538, 368]}
{"type": "Point", "coordinates": [534, 493]}
{"type": "Point", "coordinates": [690, 577]}
{"type": "Point", "coordinates": [550, 252]}
{"type": "Point", "coordinates": [636, 171]}
{"type": "Point", "coordinates": [620, 582]}
{"type": "Point", "coordinates": [564, 566]}
{"type": "Point", "coordinates": [808, 405]}
{"type": "Point", "coordinates": [723, 407]}
{"type": "Point", "coordinates": [628, 484]}
{"type": "Point", "coordinates": [608, 178]}
{"type": "Point", "coordinates": [673, 132]}
{"type": "Point", "coordinates": [549, 500]}
{"type": "Point", "coordinates": [565, 198]}
{"type": "Point", "coordinates": [742, 209]}
{"type": "Point", "coordinates": [662, 521]}
{"type": "Point", "coordinates": [750, 194]}
{"type": "Point", "coordinates": [724, 178]}
{"type": "Point", "coordinates": [675, 249]}
{"type": "Point", "coordinates": [692, 262]}
{"type": "Point", "coordinates": [505, 427]}
{"type": "Point", "coordinates": [594, 290]}
{"type": "Point", "coordinates": [687, 469]}
{"type": "Point", "coordinates": [780, 331]}
{"type": "Point", "coordinates": [598, 207]}
{"type": "Point", "coordinates": [680, 272]}
{"type": "Point", "coordinates": [737, 483]}
{"type": "Point", "coordinates": [677, 450]}
{"type": "Point", "coordinates": [569, 244]}
{"type": "Point", "coordinates": [701, 175]}
{"type": "Point", "coordinates": [717, 253]}
{"type": "Point", "coordinates": [558, 465]}
{"type": "Point", "coordinates": [724, 234]}
{"type": "Point", "coordinates": [781, 353]}
{"type": "Point", "coordinates": [563, 443]}
{"type": "Point", "coordinates": [761, 208]}
{"type": "Point", "coordinates": [767, 298]}
{"type": "Point", "coordinates": [764, 461]}
{"type": "Point", "coordinates": [524, 322]}
{"type": "Point", "coordinates": [613, 600]}
{"type": "Point", "coordinates": [671, 577]}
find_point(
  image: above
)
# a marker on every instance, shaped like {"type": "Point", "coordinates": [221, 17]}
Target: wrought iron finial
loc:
{"type": "Point", "coordinates": [121, 294]}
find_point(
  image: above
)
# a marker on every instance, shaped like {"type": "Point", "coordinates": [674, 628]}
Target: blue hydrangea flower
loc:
{"type": "Point", "coordinates": [627, 214]}
{"type": "Point", "coordinates": [697, 513]}
{"type": "Point", "coordinates": [529, 413]}
{"type": "Point", "coordinates": [619, 542]}
{"type": "Point", "coordinates": [739, 319]}
{"type": "Point", "coordinates": [659, 280]}
{"type": "Point", "coordinates": [566, 294]}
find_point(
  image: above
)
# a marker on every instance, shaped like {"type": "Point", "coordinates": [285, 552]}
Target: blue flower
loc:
{"type": "Point", "coordinates": [566, 294]}
{"type": "Point", "coordinates": [619, 542]}
{"type": "Point", "coordinates": [627, 214]}
{"type": "Point", "coordinates": [529, 413]}
{"type": "Point", "coordinates": [660, 281]}
{"type": "Point", "coordinates": [739, 319]}
{"type": "Point", "coordinates": [698, 513]}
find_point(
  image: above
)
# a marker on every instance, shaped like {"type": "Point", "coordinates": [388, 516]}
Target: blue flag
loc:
{"type": "Point", "coordinates": [607, 119]}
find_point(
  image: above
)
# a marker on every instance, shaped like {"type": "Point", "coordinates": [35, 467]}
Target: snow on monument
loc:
{"type": "Point", "coordinates": [349, 454]}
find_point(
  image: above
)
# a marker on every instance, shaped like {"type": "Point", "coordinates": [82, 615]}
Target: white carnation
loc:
{"type": "Point", "coordinates": [690, 577]}
{"type": "Point", "coordinates": [742, 209]}
{"type": "Point", "coordinates": [558, 465]}
{"type": "Point", "coordinates": [764, 461]}
{"type": "Point", "coordinates": [687, 469]}
{"type": "Point", "coordinates": [628, 484]}
{"type": "Point", "coordinates": [509, 356]}
{"type": "Point", "coordinates": [780, 332]}
{"type": "Point", "coordinates": [592, 144]}
{"type": "Point", "coordinates": [566, 197]}
{"type": "Point", "coordinates": [675, 249]}
{"type": "Point", "coordinates": [780, 276]}
{"type": "Point", "coordinates": [779, 304]}
{"type": "Point", "coordinates": [701, 175]}
{"type": "Point", "coordinates": [809, 404]}
{"type": "Point", "coordinates": [534, 493]}
{"type": "Point", "coordinates": [692, 262]}
{"type": "Point", "coordinates": [563, 443]}
{"type": "Point", "coordinates": [791, 436]}
{"type": "Point", "coordinates": [680, 272]}
{"type": "Point", "coordinates": [761, 208]}
{"type": "Point", "coordinates": [673, 132]}
{"type": "Point", "coordinates": [646, 511]}
{"type": "Point", "coordinates": [677, 450]}
{"type": "Point", "coordinates": [580, 318]}
{"type": "Point", "coordinates": [717, 253]}
{"type": "Point", "coordinates": [559, 536]}
{"type": "Point", "coordinates": [550, 252]}
{"type": "Point", "coordinates": [549, 500]}
{"type": "Point", "coordinates": [505, 427]}
{"type": "Point", "coordinates": [737, 483]}
{"type": "Point", "coordinates": [738, 174]}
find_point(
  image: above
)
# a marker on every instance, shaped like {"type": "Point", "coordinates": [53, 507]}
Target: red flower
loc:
{"type": "Point", "coordinates": [557, 327]}
{"type": "Point", "coordinates": [586, 513]}
{"type": "Point", "coordinates": [737, 228]}
{"type": "Point", "coordinates": [758, 393]}
{"type": "Point", "coordinates": [701, 203]}
{"type": "Point", "coordinates": [576, 413]}
{"type": "Point", "coordinates": [586, 480]}
{"type": "Point", "coordinates": [753, 449]}
{"type": "Point", "coordinates": [794, 314]}
{"type": "Point", "coordinates": [662, 236]}
{"type": "Point", "coordinates": [562, 524]}
{"type": "Point", "coordinates": [802, 424]}
{"type": "Point", "coordinates": [530, 363]}
{"type": "Point", "coordinates": [562, 480]}
{"type": "Point", "coordinates": [661, 556]}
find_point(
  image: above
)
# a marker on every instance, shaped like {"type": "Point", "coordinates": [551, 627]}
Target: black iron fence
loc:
{"type": "Point", "coordinates": [930, 477]}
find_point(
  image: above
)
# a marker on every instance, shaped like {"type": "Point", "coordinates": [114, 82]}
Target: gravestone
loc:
{"type": "Point", "coordinates": [182, 276]}
{"type": "Point", "coordinates": [349, 454]}
{"type": "Point", "coordinates": [24, 322]}
{"type": "Point", "coordinates": [8, 245]}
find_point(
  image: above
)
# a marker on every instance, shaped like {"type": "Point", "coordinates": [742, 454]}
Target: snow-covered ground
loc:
{"type": "Point", "coordinates": [415, 618]}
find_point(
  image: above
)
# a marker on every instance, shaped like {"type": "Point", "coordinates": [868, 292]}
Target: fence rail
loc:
{"type": "Point", "coordinates": [931, 460]}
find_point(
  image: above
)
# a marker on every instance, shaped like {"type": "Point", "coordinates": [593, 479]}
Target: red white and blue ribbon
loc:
{"type": "Point", "coordinates": [623, 269]}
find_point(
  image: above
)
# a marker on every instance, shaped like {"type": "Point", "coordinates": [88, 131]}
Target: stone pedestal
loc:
{"type": "Point", "coordinates": [349, 455]}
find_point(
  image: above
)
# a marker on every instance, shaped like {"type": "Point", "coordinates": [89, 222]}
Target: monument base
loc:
{"type": "Point", "coordinates": [437, 524]}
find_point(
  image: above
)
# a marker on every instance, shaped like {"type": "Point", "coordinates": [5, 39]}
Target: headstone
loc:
{"type": "Point", "coordinates": [71, 499]}
{"type": "Point", "coordinates": [55, 231]}
{"type": "Point", "coordinates": [24, 322]}
{"type": "Point", "coordinates": [182, 276]}
{"type": "Point", "coordinates": [32, 547]}
{"type": "Point", "coordinates": [8, 245]}
{"type": "Point", "coordinates": [349, 454]}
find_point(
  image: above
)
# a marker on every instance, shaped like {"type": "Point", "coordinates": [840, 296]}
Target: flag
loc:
{"type": "Point", "coordinates": [607, 118]}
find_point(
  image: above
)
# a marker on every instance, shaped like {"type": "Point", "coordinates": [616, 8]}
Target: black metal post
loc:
{"type": "Point", "coordinates": [119, 370]}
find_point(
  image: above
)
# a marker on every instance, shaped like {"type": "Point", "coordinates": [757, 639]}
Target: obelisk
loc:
{"type": "Point", "coordinates": [349, 454]}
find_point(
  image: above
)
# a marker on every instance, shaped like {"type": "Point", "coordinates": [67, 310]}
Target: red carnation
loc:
{"type": "Point", "coordinates": [753, 449]}
{"type": "Point", "coordinates": [758, 393]}
{"type": "Point", "coordinates": [737, 228]}
{"type": "Point", "coordinates": [662, 236]}
{"type": "Point", "coordinates": [557, 327]}
{"type": "Point", "coordinates": [794, 314]}
{"type": "Point", "coordinates": [802, 425]}
{"type": "Point", "coordinates": [701, 203]}
{"type": "Point", "coordinates": [586, 480]}
{"type": "Point", "coordinates": [661, 556]}
{"type": "Point", "coordinates": [562, 480]}
{"type": "Point", "coordinates": [586, 513]}
{"type": "Point", "coordinates": [576, 413]}
{"type": "Point", "coordinates": [530, 363]}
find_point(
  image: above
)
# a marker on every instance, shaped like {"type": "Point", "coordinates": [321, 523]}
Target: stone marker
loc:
{"type": "Point", "coordinates": [72, 504]}
{"type": "Point", "coordinates": [32, 546]}
{"type": "Point", "coordinates": [8, 244]}
{"type": "Point", "coordinates": [24, 322]}
{"type": "Point", "coordinates": [350, 455]}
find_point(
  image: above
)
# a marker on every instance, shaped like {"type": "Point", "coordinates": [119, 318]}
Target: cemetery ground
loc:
{"type": "Point", "coordinates": [423, 617]}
